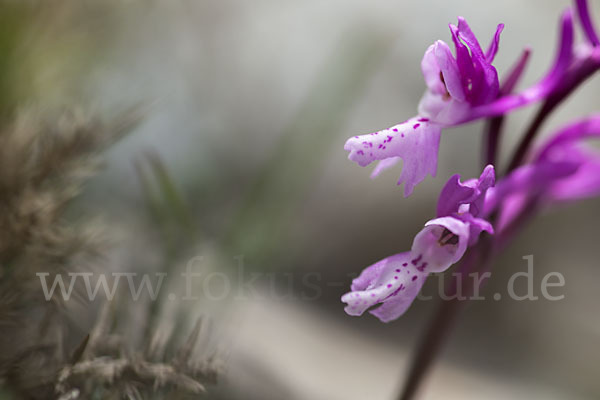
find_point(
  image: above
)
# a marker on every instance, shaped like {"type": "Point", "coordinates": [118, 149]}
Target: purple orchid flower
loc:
{"type": "Point", "coordinates": [463, 87]}
{"type": "Point", "coordinates": [459, 89]}
{"type": "Point", "coordinates": [395, 281]}
{"type": "Point", "coordinates": [564, 169]}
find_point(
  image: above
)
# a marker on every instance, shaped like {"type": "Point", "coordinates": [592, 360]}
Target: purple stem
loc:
{"type": "Point", "coordinates": [493, 132]}
{"type": "Point", "coordinates": [494, 125]}
{"type": "Point", "coordinates": [437, 331]}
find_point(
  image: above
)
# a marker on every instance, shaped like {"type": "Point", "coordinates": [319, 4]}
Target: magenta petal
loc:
{"type": "Point", "coordinates": [515, 73]}
{"type": "Point", "coordinates": [492, 50]}
{"type": "Point", "coordinates": [463, 59]}
{"type": "Point", "coordinates": [444, 101]}
{"type": "Point", "coordinates": [431, 72]}
{"type": "Point", "coordinates": [565, 50]}
{"type": "Point", "coordinates": [585, 128]}
{"type": "Point", "coordinates": [415, 141]}
{"type": "Point", "coordinates": [449, 69]}
{"type": "Point", "coordinates": [486, 181]}
{"type": "Point", "coordinates": [476, 226]}
{"type": "Point", "coordinates": [472, 193]}
{"type": "Point", "coordinates": [465, 33]}
{"type": "Point", "coordinates": [586, 22]}
{"type": "Point", "coordinates": [512, 207]}
{"type": "Point", "coordinates": [544, 87]}
{"type": "Point", "coordinates": [567, 147]}
{"type": "Point", "coordinates": [530, 179]}
{"type": "Point", "coordinates": [453, 194]}
{"type": "Point", "coordinates": [483, 81]}
{"type": "Point", "coordinates": [584, 183]}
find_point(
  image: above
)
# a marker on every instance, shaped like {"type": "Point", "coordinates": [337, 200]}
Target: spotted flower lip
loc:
{"type": "Point", "coordinates": [395, 281]}
{"type": "Point", "coordinates": [460, 89]}
{"type": "Point", "coordinates": [415, 141]}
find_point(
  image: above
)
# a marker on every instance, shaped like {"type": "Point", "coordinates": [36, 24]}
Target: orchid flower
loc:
{"type": "Point", "coordinates": [460, 89]}
{"type": "Point", "coordinates": [395, 281]}
{"type": "Point", "coordinates": [463, 87]}
{"type": "Point", "coordinates": [563, 169]}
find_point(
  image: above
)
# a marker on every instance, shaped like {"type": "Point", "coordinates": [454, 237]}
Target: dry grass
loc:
{"type": "Point", "coordinates": [44, 161]}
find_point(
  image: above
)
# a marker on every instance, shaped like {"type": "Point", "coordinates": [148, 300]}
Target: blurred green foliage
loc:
{"type": "Point", "coordinates": [49, 49]}
{"type": "Point", "coordinates": [261, 226]}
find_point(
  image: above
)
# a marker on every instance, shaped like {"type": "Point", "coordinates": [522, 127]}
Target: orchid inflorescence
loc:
{"type": "Point", "coordinates": [463, 87]}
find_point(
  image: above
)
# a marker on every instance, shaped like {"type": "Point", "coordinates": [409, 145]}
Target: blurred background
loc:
{"type": "Point", "coordinates": [239, 156]}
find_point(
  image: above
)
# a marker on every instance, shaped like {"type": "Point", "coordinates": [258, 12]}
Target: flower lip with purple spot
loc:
{"type": "Point", "coordinates": [382, 282]}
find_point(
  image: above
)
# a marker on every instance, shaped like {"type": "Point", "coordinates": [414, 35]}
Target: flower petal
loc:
{"type": "Point", "coordinates": [486, 180]}
{"type": "Point", "coordinates": [383, 165]}
{"type": "Point", "coordinates": [566, 147]}
{"type": "Point", "coordinates": [449, 69]}
{"type": "Point", "coordinates": [464, 30]}
{"type": "Point", "coordinates": [431, 72]}
{"type": "Point", "coordinates": [476, 226]}
{"type": "Point", "coordinates": [395, 281]}
{"type": "Point", "coordinates": [397, 304]}
{"type": "Point", "coordinates": [492, 50]}
{"type": "Point", "coordinates": [586, 128]}
{"type": "Point", "coordinates": [389, 279]}
{"type": "Point", "coordinates": [530, 179]}
{"type": "Point", "coordinates": [512, 207]}
{"type": "Point", "coordinates": [444, 110]}
{"type": "Point", "coordinates": [482, 85]}
{"type": "Point", "coordinates": [586, 22]}
{"type": "Point", "coordinates": [575, 176]}
{"type": "Point", "coordinates": [541, 89]}
{"type": "Point", "coordinates": [472, 193]}
{"type": "Point", "coordinates": [585, 182]}
{"type": "Point", "coordinates": [453, 194]}
{"type": "Point", "coordinates": [515, 73]}
{"type": "Point", "coordinates": [440, 244]}
{"type": "Point", "coordinates": [370, 276]}
{"type": "Point", "coordinates": [464, 61]}
{"type": "Point", "coordinates": [415, 141]}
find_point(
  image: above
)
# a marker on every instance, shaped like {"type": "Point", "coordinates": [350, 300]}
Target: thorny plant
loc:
{"type": "Point", "coordinates": [44, 161]}
{"type": "Point", "coordinates": [463, 87]}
